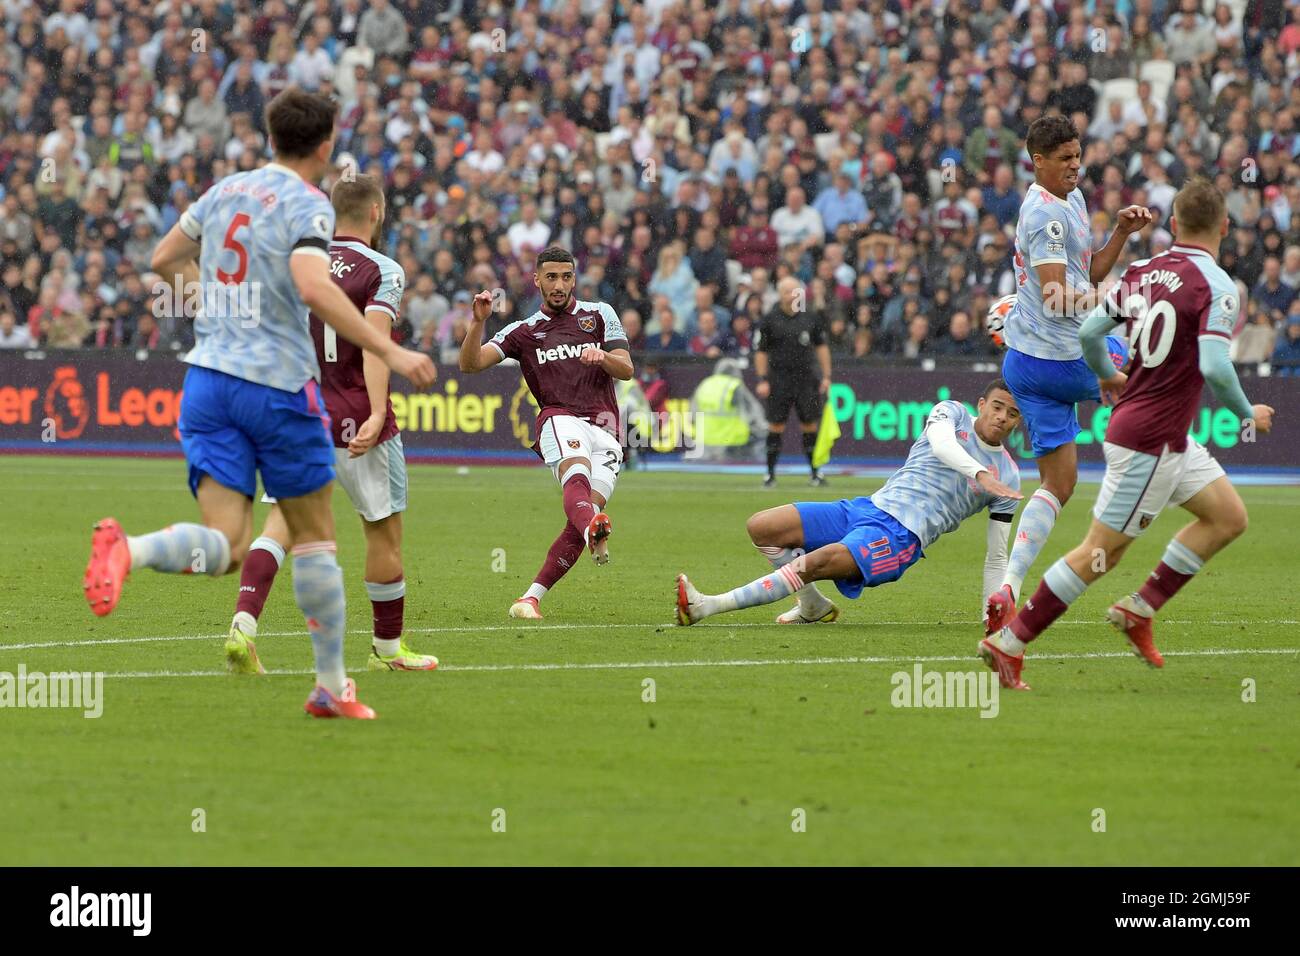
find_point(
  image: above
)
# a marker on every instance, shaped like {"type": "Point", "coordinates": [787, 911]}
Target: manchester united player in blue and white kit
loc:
{"type": "Point", "coordinates": [256, 244]}
{"type": "Point", "coordinates": [368, 454]}
{"type": "Point", "coordinates": [569, 352]}
{"type": "Point", "coordinates": [1056, 274]}
{"type": "Point", "coordinates": [1182, 311]}
{"type": "Point", "coordinates": [956, 469]}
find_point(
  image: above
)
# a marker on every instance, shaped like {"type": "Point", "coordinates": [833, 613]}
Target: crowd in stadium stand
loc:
{"type": "Point", "coordinates": [690, 152]}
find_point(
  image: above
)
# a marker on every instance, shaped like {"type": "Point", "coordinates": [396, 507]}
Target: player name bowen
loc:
{"type": "Point", "coordinates": [1165, 277]}
{"type": "Point", "coordinates": [559, 352]}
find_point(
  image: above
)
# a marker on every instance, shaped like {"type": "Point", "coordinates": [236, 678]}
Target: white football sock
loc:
{"type": "Point", "coordinates": [1009, 643]}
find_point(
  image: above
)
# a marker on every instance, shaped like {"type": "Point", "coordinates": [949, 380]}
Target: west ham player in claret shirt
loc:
{"type": "Point", "coordinates": [368, 455]}
{"type": "Point", "coordinates": [1182, 311]}
{"type": "Point", "coordinates": [569, 352]}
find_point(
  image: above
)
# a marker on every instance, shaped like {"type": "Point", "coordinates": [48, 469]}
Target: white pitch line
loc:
{"type": "Point", "coordinates": [665, 625]}
{"type": "Point", "coordinates": [788, 662]}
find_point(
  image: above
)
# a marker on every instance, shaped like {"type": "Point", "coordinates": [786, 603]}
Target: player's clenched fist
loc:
{"type": "Point", "coordinates": [1263, 415]}
{"type": "Point", "coordinates": [1133, 218]}
{"type": "Point", "coordinates": [593, 356]}
{"type": "Point", "coordinates": [1112, 388]}
{"type": "Point", "coordinates": [482, 306]}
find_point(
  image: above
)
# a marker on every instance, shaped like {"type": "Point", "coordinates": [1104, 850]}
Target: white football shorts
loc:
{"type": "Point", "coordinates": [375, 482]}
{"type": "Point", "coordinates": [565, 436]}
{"type": "Point", "coordinates": [1138, 486]}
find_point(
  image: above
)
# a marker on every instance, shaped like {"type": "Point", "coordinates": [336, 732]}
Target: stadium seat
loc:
{"type": "Point", "coordinates": [734, 271]}
{"type": "Point", "coordinates": [1122, 89]}
{"type": "Point", "coordinates": [1160, 73]}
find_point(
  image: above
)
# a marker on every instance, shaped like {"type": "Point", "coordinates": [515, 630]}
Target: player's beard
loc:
{"type": "Point", "coordinates": [377, 238]}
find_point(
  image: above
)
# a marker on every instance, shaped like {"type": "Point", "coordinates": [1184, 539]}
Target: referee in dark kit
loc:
{"type": "Point", "coordinates": [793, 351]}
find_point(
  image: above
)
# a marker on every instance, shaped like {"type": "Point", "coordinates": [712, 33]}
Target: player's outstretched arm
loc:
{"type": "Point", "coordinates": [475, 356]}
{"type": "Point", "coordinates": [331, 304]}
{"type": "Point", "coordinates": [943, 440]}
{"type": "Point", "coordinates": [1219, 374]}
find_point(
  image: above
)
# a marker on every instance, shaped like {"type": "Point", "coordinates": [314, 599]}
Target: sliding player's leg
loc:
{"type": "Point", "coordinates": [265, 555]}
{"type": "Point", "coordinates": [850, 542]}
{"type": "Point", "coordinates": [778, 535]}
{"type": "Point", "coordinates": [834, 562]}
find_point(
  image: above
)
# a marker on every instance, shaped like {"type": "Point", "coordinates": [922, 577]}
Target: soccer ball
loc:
{"type": "Point", "coordinates": [997, 317]}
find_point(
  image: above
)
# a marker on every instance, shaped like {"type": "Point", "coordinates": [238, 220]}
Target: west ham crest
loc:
{"type": "Point", "coordinates": [586, 323]}
{"type": "Point", "coordinates": [574, 443]}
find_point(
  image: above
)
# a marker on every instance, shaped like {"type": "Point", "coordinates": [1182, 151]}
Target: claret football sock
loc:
{"type": "Point", "coordinates": [257, 574]}
{"type": "Point", "coordinates": [564, 552]}
{"type": "Point", "coordinates": [1179, 564]}
{"type": "Point", "coordinates": [182, 548]}
{"type": "Point", "coordinates": [318, 589]}
{"type": "Point", "coordinates": [388, 602]}
{"type": "Point", "coordinates": [1059, 588]}
{"type": "Point", "coordinates": [578, 507]}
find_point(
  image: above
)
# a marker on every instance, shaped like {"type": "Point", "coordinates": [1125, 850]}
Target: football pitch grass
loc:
{"type": "Point", "coordinates": [534, 743]}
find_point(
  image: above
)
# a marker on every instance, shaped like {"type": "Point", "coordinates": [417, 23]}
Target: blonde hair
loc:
{"type": "Point", "coordinates": [1199, 207]}
{"type": "Point", "coordinates": [353, 196]}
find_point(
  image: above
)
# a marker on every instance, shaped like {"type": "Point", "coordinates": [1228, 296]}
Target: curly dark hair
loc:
{"type": "Point", "coordinates": [1047, 133]}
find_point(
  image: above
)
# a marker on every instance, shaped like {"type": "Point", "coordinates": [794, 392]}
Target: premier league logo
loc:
{"type": "Point", "coordinates": [586, 323]}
